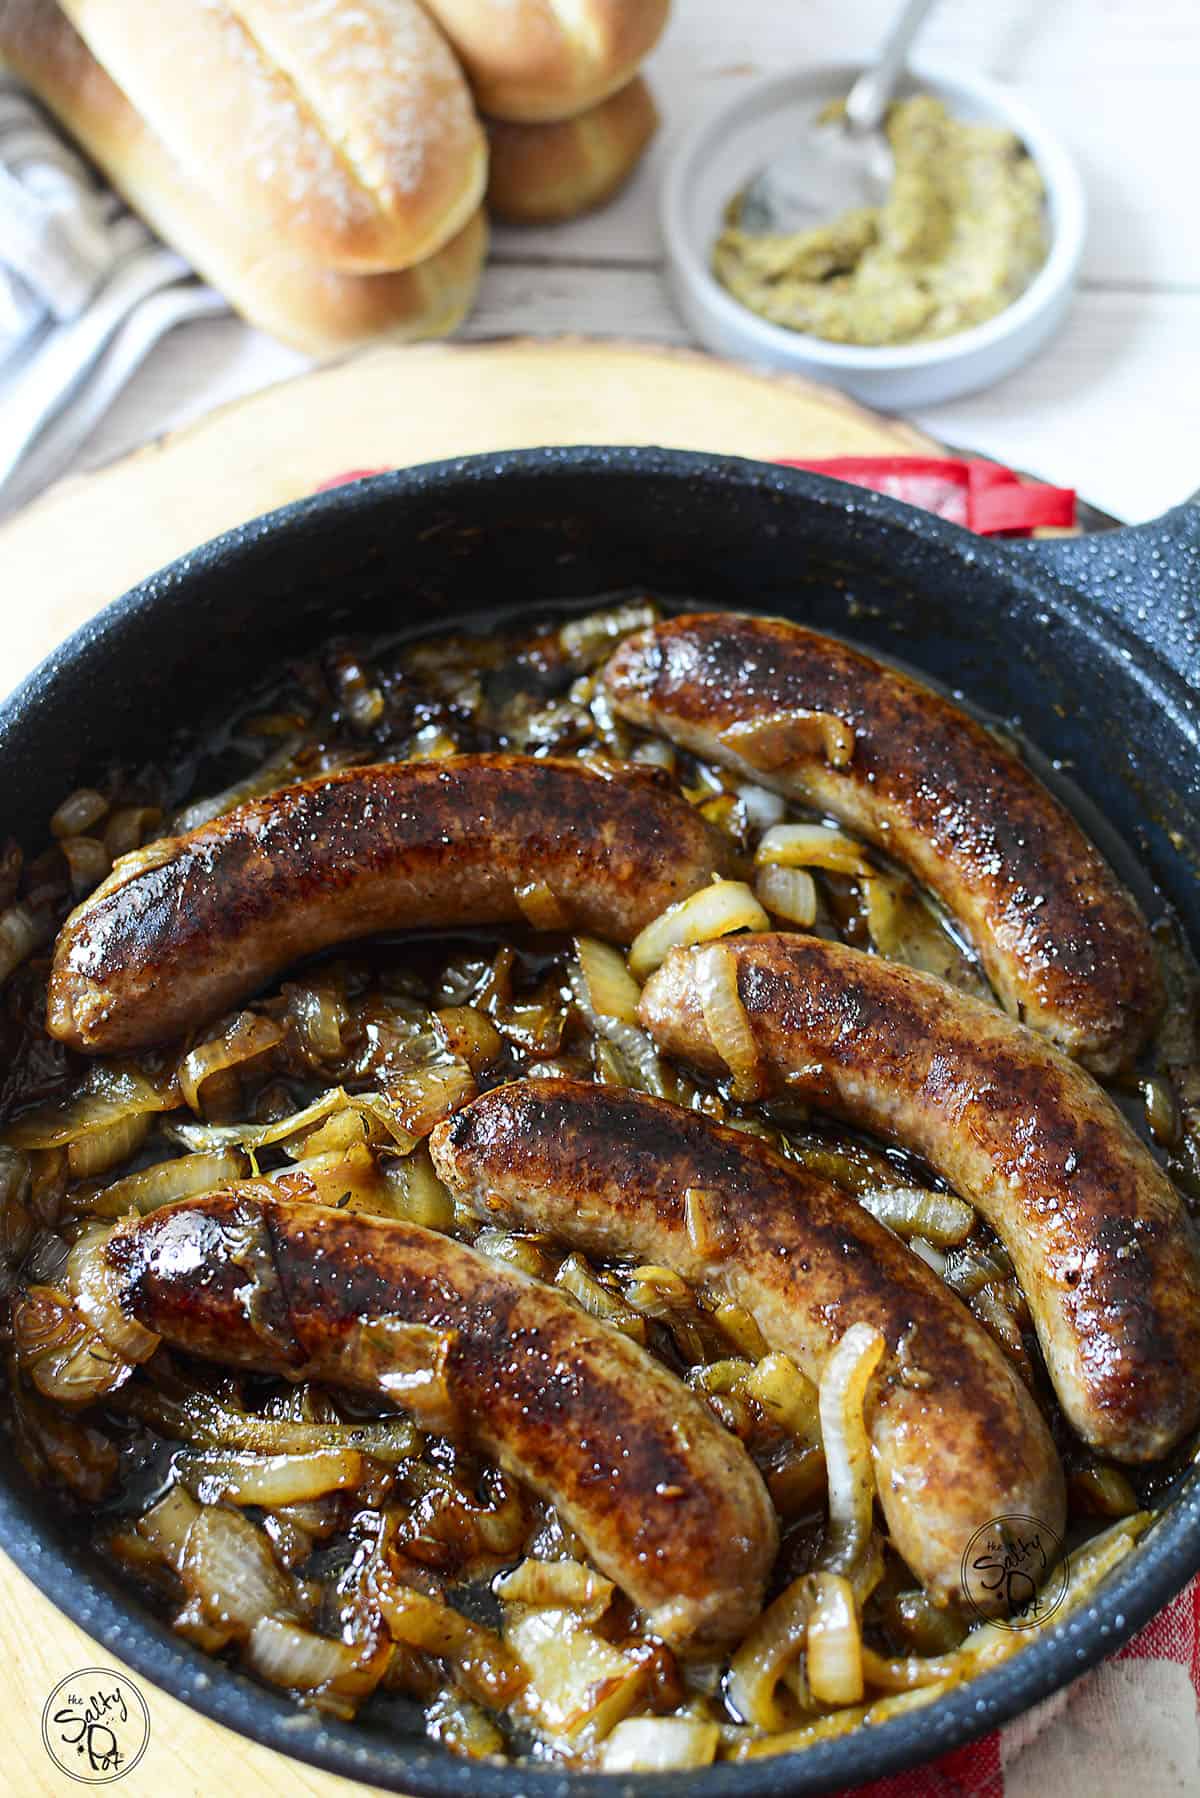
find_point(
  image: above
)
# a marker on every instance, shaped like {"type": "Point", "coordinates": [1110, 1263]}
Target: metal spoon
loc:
{"type": "Point", "coordinates": [841, 164]}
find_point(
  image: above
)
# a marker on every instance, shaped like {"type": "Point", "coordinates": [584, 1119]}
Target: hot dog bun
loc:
{"type": "Point", "coordinates": [537, 60]}
{"type": "Point", "coordinates": [542, 174]}
{"type": "Point", "coordinates": [347, 132]}
{"type": "Point", "coordinates": [319, 310]}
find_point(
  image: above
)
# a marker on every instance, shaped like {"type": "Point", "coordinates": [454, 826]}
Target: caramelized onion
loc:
{"type": "Point", "coordinates": [771, 743]}
{"type": "Point", "coordinates": [835, 1665]}
{"type": "Point", "coordinates": [567, 1585]}
{"type": "Point", "coordinates": [726, 1021]}
{"type": "Point", "coordinates": [91, 1280]}
{"type": "Point", "coordinates": [713, 911]}
{"type": "Point", "coordinates": [660, 1745]}
{"type": "Point", "coordinates": [612, 991]}
{"type": "Point", "coordinates": [247, 1039]}
{"type": "Point", "coordinates": [541, 908]}
{"type": "Point", "coordinates": [789, 893]}
{"type": "Point", "coordinates": [167, 1181]}
{"type": "Point", "coordinates": [843, 1391]}
{"type": "Point", "coordinates": [812, 846]}
{"type": "Point", "coordinates": [111, 1094]}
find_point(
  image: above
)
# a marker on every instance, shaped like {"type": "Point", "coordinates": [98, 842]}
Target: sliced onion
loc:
{"type": "Point", "coordinates": [247, 1039]}
{"type": "Point", "coordinates": [416, 1193]}
{"type": "Point", "coordinates": [287, 1654]}
{"type": "Point", "coordinates": [726, 1021]}
{"type": "Point", "coordinates": [167, 1525]}
{"type": "Point", "coordinates": [738, 1325]}
{"type": "Point", "coordinates": [913, 1211]}
{"type": "Point", "coordinates": [408, 1362]}
{"type": "Point", "coordinates": [835, 1668]}
{"type": "Point", "coordinates": [92, 1281]}
{"type": "Point", "coordinates": [463, 1727]}
{"type": "Point", "coordinates": [65, 1357]}
{"type": "Point", "coordinates": [271, 773]}
{"type": "Point", "coordinates": [272, 1480]}
{"type": "Point", "coordinates": [704, 1219]}
{"type": "Point", "coordinates": [611, 989]}
{"type": "Point", "coordinates": [428, 1095]}
{"type": "Point", "coordinates": [660, 1745]}
{"type": "Point", "coordinates": [589, 640]}
{"type": "Point", "coordinates": [485, 1665]}
{"type": "Point", "coordinates": [713, 911]}
{"type": "Point", "coordinates": [580, 1686]}
{"type": "Point", "coordinates": [812, 846]}
{"type": "Point", "coordinates": [88, 861]}
{"type": "Point", "coordinates": [843, 1392]}
{"type": "Point", "coordinates": [20, 934]}
{"type": "Point", "coordinates": [227, 1565]}
{"type": "Point", "coordinates": [99, 1150]}
{"type": "Point", "coordinates": [111, 1094]}
{"type": "Point", "coordinates": [167, 1181]}
{"type": "Point", "coordinates": [129, 827]}
{"type": "Point", "coordinates": [761, 808]}
{"type": "Point", "coordinates": [207, 1137]}
{"type": "Point", "coordinates": [205, 1421]}
{"type": "Point", "coordinates": [470, 1036]}
{"type": "Point", "coordinates": [788, 1399]}
{"type": "Point", "coordinates": [775, 1643]}
{"type": "Point", "coordinates": [786, 737]}
{"type": "Point", "coordinates": [541, 908]}
{"type": "Point", "coordinates": [568, 1585]}
{"type": "Point", "coordinates": [576, 1277]}
{"type": "Point", "coordinates": [789, 893]}
{"type": "Point", "coordinates": [77, 814]}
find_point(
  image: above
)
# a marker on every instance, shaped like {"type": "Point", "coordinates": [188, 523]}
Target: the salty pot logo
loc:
{"type": "Point", "coordinates": [95, 1725]}
{"type": "Point", "coordinates": [1015, 1572]}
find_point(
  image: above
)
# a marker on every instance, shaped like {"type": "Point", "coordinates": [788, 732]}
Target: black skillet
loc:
{"type": "Point", "coordinates": [1091, 644]}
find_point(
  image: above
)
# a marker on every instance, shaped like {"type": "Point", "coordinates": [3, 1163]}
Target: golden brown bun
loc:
{"type": "Point", "coordinates": [319, 310]}
{"type": "Point", "coordinates": [346, 130]}
{"type": "Point", "coordinates": [536, 60]}
{"type": "Point", "coordinates": [542, 174]}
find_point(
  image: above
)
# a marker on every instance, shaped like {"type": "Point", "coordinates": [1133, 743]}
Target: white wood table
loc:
{"type": "Point", "coordinates": [1112, 406]}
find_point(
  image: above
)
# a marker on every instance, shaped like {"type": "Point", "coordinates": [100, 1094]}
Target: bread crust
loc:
{"type": "Point", "coordinates": [543, 174]}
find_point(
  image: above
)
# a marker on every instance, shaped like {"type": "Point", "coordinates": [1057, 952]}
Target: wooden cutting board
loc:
{"type": "Point", "coordinates": [91, 537]}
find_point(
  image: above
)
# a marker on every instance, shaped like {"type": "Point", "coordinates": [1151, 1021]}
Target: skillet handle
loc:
{"type": "Point", "coordinates": [1146, 577]}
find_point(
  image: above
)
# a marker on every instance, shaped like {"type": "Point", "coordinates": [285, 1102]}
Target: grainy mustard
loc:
{"type": "Point", "coordinates": [959, 237]}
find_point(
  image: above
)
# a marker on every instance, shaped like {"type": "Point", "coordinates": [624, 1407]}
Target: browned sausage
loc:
{"type": "Point", "coordinates": [957, 1437]}
{"type": "Point", "coordinates": [669, 1505]}
{"type": "Point", "coordinates": [186, 927]}
{"type": "Point", "coordinates": [1063, 944]}
{"type": "Point", "coordinates": [1101, 1244]}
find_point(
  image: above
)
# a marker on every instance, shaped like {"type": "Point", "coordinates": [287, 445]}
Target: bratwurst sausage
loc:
{"type": "Point", "coordinates": [1063, 944]}
{"type": "Point", "coordinates": [957, 1437]}
{"type": "Point", "coordinates": [669, 1504]}
{"type": "Point", "coordinates": [186, 927]}
{"type": "Point", "coordinates": [1102, 1247]}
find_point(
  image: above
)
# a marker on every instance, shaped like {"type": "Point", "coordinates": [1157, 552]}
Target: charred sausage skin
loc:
{"type": "Point", "coordinates": [668, 1503]}
{"type": "Point", "coordinates": [1064, 945]}
{"type": "Point", "coordinates": [1103, 1249]}
{"type": "Point", "coordinates": [608, 1169]}
{"type": "Point", "coordinates": [188, 926]}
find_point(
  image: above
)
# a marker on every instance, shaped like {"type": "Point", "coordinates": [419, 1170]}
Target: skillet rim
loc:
{"type": "Point", "coordinates": [1153, 1573]}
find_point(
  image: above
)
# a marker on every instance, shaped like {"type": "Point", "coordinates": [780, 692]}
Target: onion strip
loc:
{"type": "Point", "coordinates": [842, 1399]}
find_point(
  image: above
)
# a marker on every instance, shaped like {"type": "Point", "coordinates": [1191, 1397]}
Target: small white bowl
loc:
{"type": "Point", "coordinates": [724, 151]}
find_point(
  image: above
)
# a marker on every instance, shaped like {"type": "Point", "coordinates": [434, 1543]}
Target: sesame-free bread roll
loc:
{"type": "Point", "coordinates": [344, 127]}
{"type": "Point", "coordinates": [542, 174]}
{"type": "Point", "coordinates": [320, 310]}
{"type": "Point", "coordinates": [534, 60]}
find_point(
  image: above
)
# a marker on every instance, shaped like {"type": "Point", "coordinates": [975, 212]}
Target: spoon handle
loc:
{"type": "Point", "coordinates": [868, 99]}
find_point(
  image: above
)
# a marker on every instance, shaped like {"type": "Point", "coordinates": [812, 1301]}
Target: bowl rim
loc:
{"type": "Point", "coordinates": [1067, 206]}
{"type": "Point", "coordinates": [1159, 1566]}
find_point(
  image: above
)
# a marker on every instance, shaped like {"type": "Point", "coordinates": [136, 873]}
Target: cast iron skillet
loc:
{"type": "Point", "coordinates": [1105, 683]}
